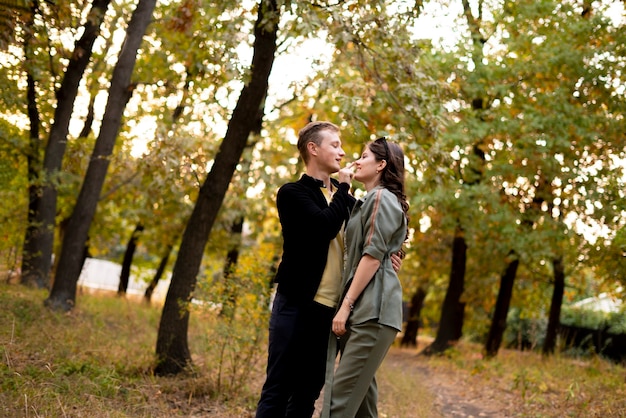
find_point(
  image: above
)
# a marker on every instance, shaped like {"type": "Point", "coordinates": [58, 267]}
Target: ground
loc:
{"type": "Point", "coordinates": [453, 391]}
{"type": "Point", "coordinates": [456, 393]}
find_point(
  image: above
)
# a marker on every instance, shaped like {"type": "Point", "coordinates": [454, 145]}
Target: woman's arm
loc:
{"type": "Point", "coordinates": [365, 270]}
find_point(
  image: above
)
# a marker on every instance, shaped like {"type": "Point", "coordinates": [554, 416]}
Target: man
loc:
{"type": "Point", "coordinates": [312, 212]}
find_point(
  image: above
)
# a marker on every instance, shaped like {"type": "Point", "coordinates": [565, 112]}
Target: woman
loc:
{"type": "Point", "coordinates": [370, 314]}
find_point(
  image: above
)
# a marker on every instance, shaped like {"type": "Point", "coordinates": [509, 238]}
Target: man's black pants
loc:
{"type": "Point", "coordinates": [296, 364]}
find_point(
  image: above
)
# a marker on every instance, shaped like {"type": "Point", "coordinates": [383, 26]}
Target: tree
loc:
{"type": "Point", "coordinates": [498, 322]}
{"type": "Point", "coordinates": [30, 275]}
{"type": "Point", "coordinates": [451, 321]}
{"type": "Point", "coordinates": [172, 348]}
{"type": "Point", "coordinates": [524, 116]}
{"type": "Point", "coordinates": [43, 205]}
{"type": "Point", "coordinates": [128, 259]}
{"type": "Point", "coordinates": [470, 174]}
{"type": "Point", "coordinates": [559, 111]}
{"type": "Point", "coordinates": [157, 275]}
{"type": "Point", "coordinates": [409, 339]}
{"type": "Point", "coordinates": [63, 293]}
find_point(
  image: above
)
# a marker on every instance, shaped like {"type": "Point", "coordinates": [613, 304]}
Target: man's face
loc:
{"type": "Point", "coordinates": [329, 152]}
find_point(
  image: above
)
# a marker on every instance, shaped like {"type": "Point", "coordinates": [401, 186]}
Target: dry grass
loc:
{"type": "Point", "coordinates": [520, 384]}
{"type": "Point", "coordinates": [96, 362]}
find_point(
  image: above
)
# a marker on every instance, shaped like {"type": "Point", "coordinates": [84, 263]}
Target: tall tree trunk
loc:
{"type": "Point", "coordinates": [34, 272]}
{"type": "Point", "coordinates": [409, 339]}
{"type": "Point", "coordinates": [172, 348]}
{"type": "Point", "coordinates": [159, 273]}
{"type": "Point", "coordinates": [555, 306]}
{"type": "Point", "coordinates": [31, 276]}
{"type": "Point", "coordinates": [451, 323]}
{"type": "Point", "coordinates": [40, 243]}
{"type": "Point", "coordinates": [128, 260]}
{"type": "Point", "coordinates": [63, 293]}
{"type": "Point", "coordinates": [498, 322]}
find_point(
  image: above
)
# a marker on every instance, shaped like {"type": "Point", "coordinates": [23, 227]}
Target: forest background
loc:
{"type": "Point", "coordinates": [156, 135]}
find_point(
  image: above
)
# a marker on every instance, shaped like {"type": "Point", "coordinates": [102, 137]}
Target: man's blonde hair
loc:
{"type": "Point", "coordinates": [312, 133]}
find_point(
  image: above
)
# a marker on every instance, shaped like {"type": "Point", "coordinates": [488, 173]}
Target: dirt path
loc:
{"type": "Point", "coordinates": [456, 393]}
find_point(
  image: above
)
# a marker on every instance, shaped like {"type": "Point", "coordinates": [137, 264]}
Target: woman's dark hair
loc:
{"type": "Point", "coordinates": [392, 176]}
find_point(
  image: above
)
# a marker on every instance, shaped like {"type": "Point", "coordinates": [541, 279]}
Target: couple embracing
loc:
{"type": "Point", "coordinates": [323, 303]}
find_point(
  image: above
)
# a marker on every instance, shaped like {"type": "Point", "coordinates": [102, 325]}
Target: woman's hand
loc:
{"type": "Point", "coordinates": [341, 318]}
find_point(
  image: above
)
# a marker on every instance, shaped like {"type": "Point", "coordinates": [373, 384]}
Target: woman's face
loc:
{"type": "Point", "coordinates": [367, 168]}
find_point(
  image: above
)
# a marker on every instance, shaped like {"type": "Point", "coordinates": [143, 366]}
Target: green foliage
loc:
{"type": "Point", "coordinates": [531, 108]}
{"type": "Point", "coordinates": [235, 312]}
{"type": "Point", "coordinates": [613, 322]}
{"type": "Point", "coordinates": [524, 332]}
{"type": "Point", "coordinates": [611, 254]}
{"type": "Point", "coordinates": [13, 184]}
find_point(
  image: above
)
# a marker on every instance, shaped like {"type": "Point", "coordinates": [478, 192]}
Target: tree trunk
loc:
{"type": "Point", "coordinates": [172, 347]}
{"type": "Point", "coordinates": [31, 276]}
{"type": "Point", "coordinates": [409, 339]}
{"type": "Point", "coordinates": [452, 312]}
{"type": "Point", "coordinates": [40, 243]}
{"type": "Point", "coordinates": [230, 296]}
{"type": "Point", "coordinates": [157, 276]}
{"type": "Point", "coordinates": [555, 306]}
{"type": "Point", "coordinates": [84, 133]}
{"type": "Point", "coordinates": [63, 293]}
{"type": "Point", "coordinates": [128, 260]}
{"type": "Point", "coordinates": [498, 322]}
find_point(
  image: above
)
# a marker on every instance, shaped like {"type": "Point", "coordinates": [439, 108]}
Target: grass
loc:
{"type": "Point", "coordinates": [96, 362]}
{"type": "Point", "coordinates": [526, 384]}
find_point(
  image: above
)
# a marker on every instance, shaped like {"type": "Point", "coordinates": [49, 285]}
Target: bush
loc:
{"type": "Point", "coordinates": [524, 333]}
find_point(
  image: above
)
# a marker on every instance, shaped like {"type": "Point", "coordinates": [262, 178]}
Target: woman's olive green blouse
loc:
{"type": "Point", "coordinates": [377, 227]}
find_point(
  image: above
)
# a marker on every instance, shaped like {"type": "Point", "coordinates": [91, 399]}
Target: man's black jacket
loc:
{"type": "Point", "coordinates": [309, 223]}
